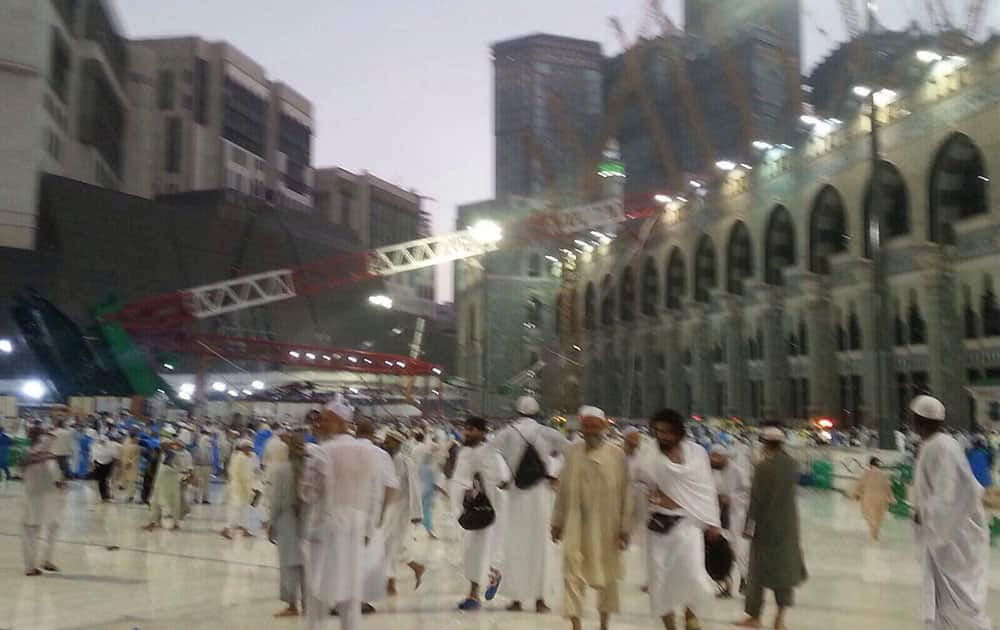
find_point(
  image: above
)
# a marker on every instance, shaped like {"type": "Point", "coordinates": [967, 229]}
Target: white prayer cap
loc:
{"type": "Point", "coordinates": [340, 407]}
{"type": "Point", "coordinates": [719, 449]}
{"type": "Point", "coordinates": [629, 430]}
{"type": "Point", "coordinates": [772, 434]}
{"type": "Point", "coordinates": [589, 411]}
{"type": "Point", "coordinates": [928, 407]}
{"type": "Point", "coordinates": [527, 405]}
{"type": "Point", "coordinates": [170, 430]}
{"type": "Point", "coordinates": [244, 443]}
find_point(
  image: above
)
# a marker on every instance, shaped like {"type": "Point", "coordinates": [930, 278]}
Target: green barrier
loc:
{"type": "Point", "coordinates": [17, 450]}
{"type": "Point", "coordinates": [822, 474]}
{"type": "Point", "coordinates": [902, 475]}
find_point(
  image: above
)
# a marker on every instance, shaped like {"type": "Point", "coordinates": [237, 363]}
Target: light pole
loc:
{"type": "Point", "coordinates": [880, 283]}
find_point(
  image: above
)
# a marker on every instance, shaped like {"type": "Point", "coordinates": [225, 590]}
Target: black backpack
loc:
{"type": "Point", "coordinates": [531, 469]}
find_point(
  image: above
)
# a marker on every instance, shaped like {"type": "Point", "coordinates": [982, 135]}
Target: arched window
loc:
{"type": "Point", "coordinates": [676, 280]}
{"type": "Point", "coordinates": [589, 306]}
{"type": "Point", "coordinates": [704, 269]}
{"type": "Point", "coordinates": [989, 310]}
{"type": "Point", "coordinates": [535, 265]}
{"type": "Point", "coordinates": [970, 317]}
{"type": "Point", "coordinates": [650, 287]}
{"type": "Point", "coordinates": [607, 301]}
{"type": "Point", "coordinates": [915, 321]}
{"type": "Point", "coordinates": [739, 258]}
{"type": "Point", "coordinates": [803, 338]}
{"type": "Point", "coordinates": [853, 329]}
{"type": "Point", "coordinates": [893, 202]}
{"type": "Point", "coordinates": [779, 245]}
{"type": "Point", "coordinates": [899, 327]}
{"type": "Point", "coordinates": [533, 317]}
{"type": "Point", "coordinates": [827, 229]}
{"type": "Point", "coordinates": [958, 182]}
{"type": "Point", "coordinates": [626, 305]}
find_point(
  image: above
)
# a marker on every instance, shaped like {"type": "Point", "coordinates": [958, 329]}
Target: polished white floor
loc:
{"type": "Point", "coordinates": [195, 579]}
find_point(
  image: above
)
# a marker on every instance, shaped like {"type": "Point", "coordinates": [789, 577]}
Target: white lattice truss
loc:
{"type": "Point", "coordinates": [247, 292]}
{"type": "Point", "coordinates": [425, 252]}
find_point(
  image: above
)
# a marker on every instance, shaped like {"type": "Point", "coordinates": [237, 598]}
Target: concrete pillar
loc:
{"type": "Point", "coordinates": [876, 371]}
{"type": "Point", "coordinates": [775, 353]}
{"type": "Point", "coordinates": [822, 330]}
{"type": "Point", "coordinates": [736, 359]}
{"type": "Point", "coordinates": [701, 359]}
{"type": "Point", "coordinates": [672, 327]}
{"type": "Point", "coordinates": [945, 345]}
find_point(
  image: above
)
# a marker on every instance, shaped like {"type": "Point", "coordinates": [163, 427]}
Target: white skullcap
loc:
{"type": "Point", "coordinates": [244, 443]}
{"type": "Point", "coordinates": [527, 406]}
{"type": "Point", "coordinates": [589, 411]}
{"type": "Point", "coordinates": [928, 407]}
{"type": "Point", "coordinates": [719, 449]}
{"type": "Point", "coordinates": [340, 407]}
{"type": "Point", "coordinates": [772, 434]}
{"type": "Point", "coordinates": [170, 430]}
{"type": "Point", "coordinates": [629, 430]}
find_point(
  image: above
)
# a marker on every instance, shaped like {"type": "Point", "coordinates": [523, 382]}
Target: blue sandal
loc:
{"type": "Point", "coordinates": [491, 590]}
{"type": "Point", "coordinates": [470, 604]}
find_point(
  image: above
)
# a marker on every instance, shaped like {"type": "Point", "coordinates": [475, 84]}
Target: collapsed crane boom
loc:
{"type": "Point", "coordinates": [171, 310]}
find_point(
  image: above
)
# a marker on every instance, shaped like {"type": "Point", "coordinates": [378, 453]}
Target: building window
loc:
{"type": "Point", "coordinates": [534, 314]}
{"type": "Point", "coordinates": [200, 105]}
{"type": "Point", "coordinates": [102, 117]}
{"type": "Point", "coordinates": [67, 10]}
{"type": "Point", "coordinates": [294, 140]}
{"type": "Point", "coordinates": [99, 28]}
{"type": "Point", "coordinates": [535, 265]}
{"type": "Point", "coordinates": [990, 311]}
{"type": "Point", "coordinates": [173, 133]}
{"type": "Point", "coordinates": [244, 117]}
{"type": "Point", "coordinates": [59, 66]}
{"type": "Point", "coordinates": [165, 90]}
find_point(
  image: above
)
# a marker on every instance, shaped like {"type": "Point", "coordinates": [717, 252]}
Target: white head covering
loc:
{"type": "Point", "coordinates": [629, 430]}
{"type": "Point", "coordinates": [339, 406]}
{"type": "Point", "coordinates": [589, 411]}
{"type": "Point", "coordinates": [526, 405]}
{"type": "Point", "coordinates": [928, 407]}
{"type": "Point", "coordinates": [244, 443]}
{"type": "Point", "coordinates": [772, 434]}
{"type": "Point", "coordinates": [396, 435]}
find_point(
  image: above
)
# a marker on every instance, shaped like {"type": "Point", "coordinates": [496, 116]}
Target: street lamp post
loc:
{"type": "Point", "coordinates": [880, 284]}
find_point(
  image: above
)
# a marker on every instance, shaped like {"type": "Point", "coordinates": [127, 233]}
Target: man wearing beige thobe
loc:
{"type": "Point", "coordinates": [128, 466]}
{"type": "Point", "coordinates": [874, 491]}
{"type": "Point", "coordinates": [591, 518]}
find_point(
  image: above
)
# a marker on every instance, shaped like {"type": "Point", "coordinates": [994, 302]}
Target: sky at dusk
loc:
{"type": "Point", "coordinates": [403, 88]}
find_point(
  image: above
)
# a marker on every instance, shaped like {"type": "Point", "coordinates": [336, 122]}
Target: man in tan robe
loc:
{"type": "Point", "coordinates": [592, 518]}
{"type": "Point", "coordinates": [128, 466]}
{"type": "Point", "coordinates": [875, 493]}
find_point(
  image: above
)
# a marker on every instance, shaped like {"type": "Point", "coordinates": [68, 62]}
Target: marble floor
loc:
{"type": "Point", "coordinates": [195, 579]}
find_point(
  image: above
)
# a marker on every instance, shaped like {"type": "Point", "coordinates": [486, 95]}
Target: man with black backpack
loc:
{"type": "Point", "coordinates": [527, 446]}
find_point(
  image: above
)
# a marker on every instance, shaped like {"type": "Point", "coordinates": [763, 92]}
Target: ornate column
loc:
{"type": "Point", "coordinates": [945, 344]}
{"type": "Point", "coordinates": [650, 368]}
{"type": "Point", "coordinates": [736, 359]}
{"type": "Point", "coordinates": [673, 323]}
{"type": "Point", "coordinates": [701, 360]}
{"type": "Point", "coordinates": [775, 353]}
{"type": "Point", "coordinates": [877, 370]}
{"type": "Point", "coordinates": [824, 388]}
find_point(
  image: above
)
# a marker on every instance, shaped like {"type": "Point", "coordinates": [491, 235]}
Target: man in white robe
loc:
{"type": "Point", "coordinates": [402, 515]}
{"type": "Point", "coordinates": [478, 467]}
{"type": "Point", "coordinates": [683, 499]}
{"type": "Point", "coordinates": [951, 528]}
{"type": "Point", "coordinates": [340, 476]}
{"type": "Point", "coordinates": [732, 483]}
{"type": "Point", "coordinates": [384, 491]}
{"type": "Point", "coordinates": [635, 455]}
{"type": "Point", "coordinates": [42, 480]}
{"type": "Point", "coordinates": [242, 467]}
{"type": "Point", "coordinates": [526, 565]}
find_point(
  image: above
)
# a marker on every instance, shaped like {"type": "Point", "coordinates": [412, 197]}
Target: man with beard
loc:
{"type": "Point", "coordinates": [773, 528]}
{"type": "Point", "coordinates": [951, 527]}
{"type": "Point", "coordinates": [525, 553]}
{"type": "Point", "coordinates": [403, 513]}
{"type": "Point", "coordinates": [591, 519]}
{"type": "Point", "coordinates": [478, 469]}
{"type": "Point", "coordinates": [732, 483]}
{"type": "Point", "coordinates": [683, 507]}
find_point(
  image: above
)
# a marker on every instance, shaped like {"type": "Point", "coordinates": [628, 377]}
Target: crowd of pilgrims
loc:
{"type": "Point", "coordinates": [349, 503]}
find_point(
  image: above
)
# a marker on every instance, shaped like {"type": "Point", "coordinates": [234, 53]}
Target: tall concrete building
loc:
{"type": "Point", "coordinates": [219, 122]}
{"type": "Point", "coordinates": [70, 89]}
{"type": "Point", "coordinates": [713, 97]}
{"type": "Point", "coordinates": [547, 109]}
{"type": "Point", "coordinates": [722, 22]}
